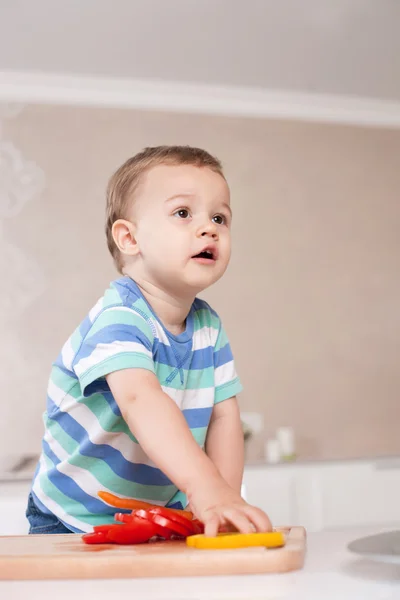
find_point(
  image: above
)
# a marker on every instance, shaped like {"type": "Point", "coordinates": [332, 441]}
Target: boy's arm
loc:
{"type": "Point", "coordinates": [162, 431]}
{"type": "Point", "coordinates": [225, 442]}
{"type": "Point", "coordinates": [160, 428]}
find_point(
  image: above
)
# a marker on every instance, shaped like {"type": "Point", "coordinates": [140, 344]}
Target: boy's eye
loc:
{"type": "Point", "coordinates": [182, 213]}
{"type": "Point", "coordinates": [219, 219]}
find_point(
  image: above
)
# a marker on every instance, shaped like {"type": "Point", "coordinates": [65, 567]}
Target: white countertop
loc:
{"type": "Point", "coordinates": [330, 573]}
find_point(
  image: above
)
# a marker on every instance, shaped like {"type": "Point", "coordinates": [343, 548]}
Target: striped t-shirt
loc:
{"type": "Point", "coordinates": [87, 445]}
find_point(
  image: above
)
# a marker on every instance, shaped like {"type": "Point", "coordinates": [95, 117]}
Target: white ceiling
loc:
{"type": "Point", "coordinates": [341, 47]}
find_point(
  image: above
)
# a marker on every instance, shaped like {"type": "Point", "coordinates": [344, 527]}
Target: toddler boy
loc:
{"type": "Point", "coordinates": [142, 398]}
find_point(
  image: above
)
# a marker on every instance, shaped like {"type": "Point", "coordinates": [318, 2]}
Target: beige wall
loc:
{"type": "Point", "coordinates": [311, 299]}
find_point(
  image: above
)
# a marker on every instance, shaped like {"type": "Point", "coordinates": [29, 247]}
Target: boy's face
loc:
{"type": "Point", "coordinates": [182, 216]}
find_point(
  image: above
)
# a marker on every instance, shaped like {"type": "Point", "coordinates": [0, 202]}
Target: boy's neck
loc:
{"type": "Point", "coordinates": [171, 310]}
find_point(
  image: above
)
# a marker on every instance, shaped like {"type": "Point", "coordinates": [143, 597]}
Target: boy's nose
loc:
{"type": "Point", "coordinates": [212, 234]}
{"type": "Point", "coordinates": [208, 229]}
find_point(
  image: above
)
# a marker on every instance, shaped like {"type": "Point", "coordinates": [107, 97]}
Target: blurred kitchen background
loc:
{"type": "Point", "coordinates": [301, 102]}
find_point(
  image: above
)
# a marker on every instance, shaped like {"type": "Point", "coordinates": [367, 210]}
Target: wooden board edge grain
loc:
{"type": "Point", "coordinates": [103, 565]}
{"type": "Point", "coordinates": [123, 567]}
{"type": "Point", "coordinates": [295, 534]}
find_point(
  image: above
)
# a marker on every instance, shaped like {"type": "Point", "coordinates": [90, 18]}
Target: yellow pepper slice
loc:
{"type": "Point", "coordinates": [274, 539]}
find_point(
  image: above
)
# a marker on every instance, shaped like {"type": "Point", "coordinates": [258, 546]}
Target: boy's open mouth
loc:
{"type": "Point", "coordinates": [206, 256]}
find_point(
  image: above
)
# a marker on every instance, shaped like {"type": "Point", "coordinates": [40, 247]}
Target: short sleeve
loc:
{"type": "Point", "coordinates": [119, 338]}
{"type": "Point", "coordinates": [227, 383]}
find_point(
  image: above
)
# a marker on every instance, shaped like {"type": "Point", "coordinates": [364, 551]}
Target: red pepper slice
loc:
{"type": "Point", "coordinates": [198, 526]}
{"type": "Point", "coordinates": [135, 531]}
{"type": "Point", "coordinates": [172, 525]}
{"type": "Point", "coordinates": [144, 526]}
{"type": "Point", "coordinates": [98, 537]}
{"type": "Point", "coordinates": [124, 517]}
{"type": "Point", "coordinates": [131, 533]}
{"type": "Point", "coordinates": [168, 514]}
{"type": "Point", "coordinates": [164, 522]}
{"type": "Point", "coordinates": [164, 532]}
{"type": "Point", "coordinates": [103, 528]}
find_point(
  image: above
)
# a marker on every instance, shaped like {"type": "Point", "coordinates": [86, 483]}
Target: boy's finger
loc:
{"type": "Point", "coordinates": [211, 525]}
{"type": "Point", "coordinates": [259, 519]}
{"type": "Point", "coordinates": [239, 519]}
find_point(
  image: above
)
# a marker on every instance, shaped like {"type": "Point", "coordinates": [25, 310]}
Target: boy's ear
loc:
{"type": "Point", "coordinates": [123, 233]}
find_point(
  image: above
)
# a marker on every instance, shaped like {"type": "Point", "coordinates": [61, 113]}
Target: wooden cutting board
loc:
{"type": "Point", "coordinates": [67, 557]}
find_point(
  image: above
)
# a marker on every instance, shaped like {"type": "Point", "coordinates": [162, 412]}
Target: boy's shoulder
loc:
{"type": "Point", "coordinates": [205, 315]}
{"type": "Point", "coordinates": [121, 304]}
{"type": "Point", "coordinates": [122, 293]}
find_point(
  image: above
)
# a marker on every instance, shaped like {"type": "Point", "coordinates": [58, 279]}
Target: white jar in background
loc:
{"type": "Point", "coordinates": [272, 451]}
{"type": "Point", "coordinates": [254, 421]}
{"type": "Point", "coordinates": [285, 437]}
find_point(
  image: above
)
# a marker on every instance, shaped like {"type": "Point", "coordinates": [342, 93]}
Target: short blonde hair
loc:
{"type": "Point", "coordinates": [125, 180]}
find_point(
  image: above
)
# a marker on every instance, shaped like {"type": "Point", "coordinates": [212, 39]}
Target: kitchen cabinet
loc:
{"type": "Point", "coordinates": [272, 489]}
{"type": "Point", "coordinates": [13, 501]}
{"type": "Point", "coordinates": [327, 495]}
{"type": "Point", "coordinates": [364, 494]}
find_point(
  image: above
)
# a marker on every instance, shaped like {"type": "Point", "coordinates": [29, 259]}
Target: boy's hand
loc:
{"type": "Point", "coordinates": [163, 433]}
{"type": "Point", "coordinates": [225, 507]}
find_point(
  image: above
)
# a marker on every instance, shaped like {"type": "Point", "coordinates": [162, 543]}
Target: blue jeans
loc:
{"type": "Point", "coordinates": [41, 522]}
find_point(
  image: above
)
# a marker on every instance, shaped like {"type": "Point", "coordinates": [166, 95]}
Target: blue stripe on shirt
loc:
{"type": "Point", "coordinates": [85, 326]}
{"type": "Point", "coordinates": [195, 360]}
{"type": "Point", "coordinates": [197, 417]}
{"type": "Point", "coordinates": [70, 488]}
{"type": "Point", "coordinates": [132, 472]}
{"type": "Point", "coordinates": [111, 334]}
{"type": "Point", "coordinates": [223, 356]}
{"type": "Point", "coordinates": [59, 363]}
